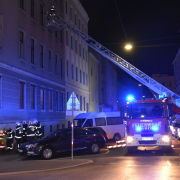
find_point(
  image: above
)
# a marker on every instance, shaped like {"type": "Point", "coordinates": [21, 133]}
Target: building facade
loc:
{"type": "Point", "coordinates": [176, 64]}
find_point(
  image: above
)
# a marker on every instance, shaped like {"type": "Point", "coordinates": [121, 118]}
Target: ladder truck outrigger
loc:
{"type": "Point", "coordinates": [147, 121]}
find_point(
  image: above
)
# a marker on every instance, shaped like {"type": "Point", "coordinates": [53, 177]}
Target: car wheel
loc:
{"type": "Point", "coordinates": [117, 137]}
{"type": "Point", "coordinates": [94, 148]}
{"type": "Point", "coordinates": [47, 153]}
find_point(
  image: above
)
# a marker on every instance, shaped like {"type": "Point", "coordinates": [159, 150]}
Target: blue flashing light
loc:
{"type": "Point", "coordinates": [130, 98]}
{"type": "Point", "coordinates": [138, 128]}
{"type": "Point", "coordinates": [155, 128]}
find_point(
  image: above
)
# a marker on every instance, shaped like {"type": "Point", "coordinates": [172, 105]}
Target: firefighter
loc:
{"type": "Point", "coordinates": [19, 134]}
{"type": "Point", "coordinates": [10, 138]}
{"type": "Point", "coordinates": [31, 131]}
{"type": "Point", "coordinates": [2, 141]}
{"type": "Point", "coordinates": [38, 128]}
{"type": "Point", "coordinates": [24, 139]}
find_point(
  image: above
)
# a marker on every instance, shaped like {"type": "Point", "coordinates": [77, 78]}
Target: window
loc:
{"type": "Point", "coordinates": [79, 24]}
{"type": "Point", "coordinates": [81, 103]}
{"type": "Point", "coordinates": [32, 51]}
{"type": "Point", "coordinates": [91, 70]}
{"type": "Point", "coordinates": [84, 78]}
{"type": "Point", "coordinates": [76, 46]}
{"type": "Point", "coordinates": [67, 38]}
{"type": "Point", "coordinates": [88, 123]}
{"type": "Point", "coordinates": [76, 73]}
{"type": "Point", "coordinates": [62, 101]}
{"type": "Point", "coordinates": [57, 100]}
{"type": "Point", "coordinates": [32, 9]}
{"type": "Point", "coordinates": [83, 53]}
{"type": "Point", "coordinates": [72, 71]}
{"type": "Point", "coordinates": [21, 95]}
{"type": "Point", "coordinates": [80, 77]}
{"type": "Point", "coordinates": [86, 57]}
{"type": "Point", "coordinates": [56, 65]}
{"type": "Point", "coordinates": [100, 121]}
{"type": "Point", "coordinates": [75, 19]}
{"type": "Point", "coordinates": [42, 91]}
{"type": "Point", "coordinates": [114, 120]}
{"type": "Point", "coordinates": [41, 56]}
{"type": "Point", "coordinates": [72, 47]}
{"type": "Point", "coordinates": [82, 27]}
{"type": "Point", "coordinates": [41, 15]}
{"type": "Point", "coordinates": [84, 103]}
{"type": "Point", "coordinates": [50, 100]}
{"type": "Point", "coordinates": [62, 67]}
{"type": "Point", "coordinates": [21, 4]}
{"type": "Point", "coordinates": [66, 7]}
{"type": "Point", "coordinates": [61, 36]}
{"type": "Point", "coordinates": [21, 45]}
{"type": "Point", "coordinates": [49, 62]}
{"type": "Point", "coordinates": [71, 14]}
{"type": "Point", "coordinates": [67, 68]}
{"type": "Point", "coordinates": [68, 96]}
{"type": "Point", "coordinates": [33, 96]}
{"type": "Point", "coordinates": [79, 49]}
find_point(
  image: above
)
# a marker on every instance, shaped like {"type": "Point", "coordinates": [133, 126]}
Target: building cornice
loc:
{"type": "Point", "coordinates": [92, 55]}
{"type": "Point", "coordinates": [75, 87]}
{"type": "Point", "coordinates": [19, 71]}
{"type": "Point", "coordinates": [81, 9]}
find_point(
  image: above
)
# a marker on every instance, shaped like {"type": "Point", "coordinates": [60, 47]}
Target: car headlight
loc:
{"type": "Point", "coordinates": [31, 145]}
{"type": "Point", "coordinates": [129, 139]}
{"type": "Point", "coordinates": [166, 139]}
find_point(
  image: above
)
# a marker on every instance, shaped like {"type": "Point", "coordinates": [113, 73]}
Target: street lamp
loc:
{"type": "Point", "coordinates": [128, 46]}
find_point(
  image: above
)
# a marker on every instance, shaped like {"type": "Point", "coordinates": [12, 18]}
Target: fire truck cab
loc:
{"type": "Point", "coordinates": [147, 124]}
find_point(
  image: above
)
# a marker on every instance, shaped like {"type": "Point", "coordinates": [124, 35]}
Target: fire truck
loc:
{"type": "Point", "coordinates": [147, 120]}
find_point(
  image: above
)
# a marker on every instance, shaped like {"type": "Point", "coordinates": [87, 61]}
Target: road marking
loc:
{"type": "Point", "coordinates": [169, 164]}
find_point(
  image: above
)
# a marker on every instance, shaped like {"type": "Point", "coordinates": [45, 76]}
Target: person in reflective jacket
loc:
{"type": "Point", "coordinates": [19, 134]}
{"type": "Point", "coordinates": [10, 138]}
{"type": "Point", "coordinates": [31, 131]}
{"type": "Point", "coordinates": [38, 132]}
{"type": "Point", "coordinates": [24, 131]}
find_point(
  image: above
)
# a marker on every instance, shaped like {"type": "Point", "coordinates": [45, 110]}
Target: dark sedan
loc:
{"type": "Point", "coordinates": [60, 141]}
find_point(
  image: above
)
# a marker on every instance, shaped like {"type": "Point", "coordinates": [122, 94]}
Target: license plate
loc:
{"type": "Point", "coordinates": [147, 138]}
{"type": "Point", "coordinates": [20, 150]}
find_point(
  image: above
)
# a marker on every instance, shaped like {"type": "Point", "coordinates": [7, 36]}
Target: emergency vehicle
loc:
{"type": "Point", "coordinates": [142, 129]}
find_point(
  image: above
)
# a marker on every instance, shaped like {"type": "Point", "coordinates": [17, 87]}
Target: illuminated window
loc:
{"type": "Point", "coordinates": [42, 91]}
{"type": "Point", "coordinates": [33, 96]}
{"type": "Point", "coordinates": [21, 95]}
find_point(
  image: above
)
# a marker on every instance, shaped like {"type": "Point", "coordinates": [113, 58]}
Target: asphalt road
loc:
{"type": "Point", "coordinates": [145, 164]}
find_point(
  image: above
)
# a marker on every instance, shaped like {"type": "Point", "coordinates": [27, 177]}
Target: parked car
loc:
{"type": "Point", "coordinates": [174, 129]}
{"type": "Point", "coordinates": [98, 130]}
{"type": "Point", "coordinates": [60, 141]}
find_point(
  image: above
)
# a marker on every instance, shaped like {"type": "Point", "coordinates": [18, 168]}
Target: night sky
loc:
{"type": "Point", "coordinates": [153, 26]}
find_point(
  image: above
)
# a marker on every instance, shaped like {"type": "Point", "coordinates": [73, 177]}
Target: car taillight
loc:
{"type": "Point", "coordinates": [102, 135]}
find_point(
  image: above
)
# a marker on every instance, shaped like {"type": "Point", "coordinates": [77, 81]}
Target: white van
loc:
{"type": "Point", "coordinates": [111, 122]}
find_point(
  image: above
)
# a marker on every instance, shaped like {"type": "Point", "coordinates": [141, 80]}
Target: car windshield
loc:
{"type": "Point", "coordinates": [145, 110]}
{"type": "Point", "coordinates": [52, 134]}
{"type": "Point", "coordinates": [78, 122]}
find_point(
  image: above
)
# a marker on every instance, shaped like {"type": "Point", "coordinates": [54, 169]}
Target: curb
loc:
{"type": "Point", "coordinates": [42, 170]}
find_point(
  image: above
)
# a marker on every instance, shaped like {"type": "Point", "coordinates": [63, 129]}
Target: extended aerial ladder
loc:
{"type": "Point", "coordinates": [53, 21]}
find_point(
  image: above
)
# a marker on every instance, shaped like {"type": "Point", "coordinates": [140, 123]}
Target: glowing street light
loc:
{"type": "Point", "coordinates": [128, 46]}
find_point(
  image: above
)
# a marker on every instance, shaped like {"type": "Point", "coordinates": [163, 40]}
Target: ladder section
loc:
{"type": "Point", "coordinates": [56, 22]}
